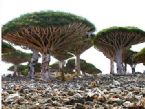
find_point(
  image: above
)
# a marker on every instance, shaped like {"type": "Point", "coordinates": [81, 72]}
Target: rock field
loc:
{"type": "Point", "coordinates": [91, 92]}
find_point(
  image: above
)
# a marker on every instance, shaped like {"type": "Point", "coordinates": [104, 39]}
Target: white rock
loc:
{"type": "Point", "coordinates": [37, 104]}
{"type": "Point", "coordinates": [12, 96]}
{"type": "Point", "coordinates": [116, 83]}
{"type": "Point", "coordinates": [138, 97]}
{"type": "Point", "coordinates": [115, 90]}
{"type": "Point", "coordinates": [128, 104]}
{"type": "Point", "coordinates": [90, 94]}
{"type": "Point", "coordinates": [114, 99]}
{"type": "Point", "coordinates": [77, 95]}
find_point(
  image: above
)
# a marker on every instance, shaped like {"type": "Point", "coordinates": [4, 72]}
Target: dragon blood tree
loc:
{"type": "Point", "coordinates": [119, 38]}
{"type": "Point", "coordinates": [77, 49]}
{"type": "Point", "coordinates": [128, 58]}
{"type": "Point", "coordinates": [61, 57]}
{"type": "Point", "coordinates": [140, 56]}
{"type": "Point", "coordinates": [9, 48]}
{"type": "Point", "coordinates": [16, 57]}
{"type": "Point", "coordinates": [46, 32]}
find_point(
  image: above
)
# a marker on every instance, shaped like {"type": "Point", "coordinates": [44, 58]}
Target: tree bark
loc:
{"type": "Point", "coordinates": [111, 66]}
{"type": "Point", "coordinates": [133, 68]}
{"type": "Point", "coordinates": [120, 69]}
{"type": "Point", "coordinates": [125, 67]}
{"type": "Point", "coordinates": [77, 64]}
{"type": "Point", "coordinates": [61, 66]}
{"type": "Point", "coordinates": [15, 71]}
{"type": "Point", "coordinates": [32, 63]}
{"type": "Point", "coordinates": [45, 71]}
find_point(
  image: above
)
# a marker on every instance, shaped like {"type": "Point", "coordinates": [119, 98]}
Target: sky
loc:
{"type": "Point", "coordinates": [102, 13]}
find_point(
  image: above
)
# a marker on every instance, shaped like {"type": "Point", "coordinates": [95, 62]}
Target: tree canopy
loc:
{"type": "Point", "coordinates": [129, 57]}
{"type": "Point", "coordinates": [119, 37]}
{"type": "Point", "coordinates": [7, 47]}
{"type": "Point", "coordinates": [45, 19]}
{"type": "Point", "coordinates": [16, 57]}
{"type": "Point", "coordinates": [85, 66]}
{"type": "Point", "coordinates": [46, 31]}
{"type": "Point", "coordinates": [61, 55]}
{"type": "Point", "coordinates": [140, 56]}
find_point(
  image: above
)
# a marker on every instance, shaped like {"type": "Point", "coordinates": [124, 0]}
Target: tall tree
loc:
{"type": "Point", "coordinates": [16, 57]}
{"type": "Point", "coordinates": [119, 38]}
{"type": "Point", "coordinates": [46, 32]}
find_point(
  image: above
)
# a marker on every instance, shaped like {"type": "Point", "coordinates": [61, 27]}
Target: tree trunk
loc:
{"type": "Point", "coordinates": [112, 66]}
{"type": "Point", "coordinates": [133, 68]}
{"type": "Point", "coordinates": [77, 64]}
{"type": "Point", "coordinates": [32, 63]}
{"type": "Point", "coordinates": [125, 67]}
{"type": "Point", "coordinates": [120, 69]}
{"type": "Point", "coordinates": [45, 71]}
{"type": "Point", "coordinates": [15, 71]}
{"type": "Point", "coordinates": [61, 66]}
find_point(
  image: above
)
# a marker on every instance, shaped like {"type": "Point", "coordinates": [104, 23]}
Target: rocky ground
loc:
{"type": "Point", "coordinates": [92, 92]}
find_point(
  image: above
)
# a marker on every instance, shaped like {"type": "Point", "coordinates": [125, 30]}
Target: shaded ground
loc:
{"type": "Point", "coordinates": [94, 92]}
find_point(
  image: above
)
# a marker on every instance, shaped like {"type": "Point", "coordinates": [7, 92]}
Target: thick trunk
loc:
{"type": "Point", "coordinates": [15, 70]}
{"type": "Point", "coordinates": [112, 66]}
{"type": "Point", "coordinates": [120, 69]}
{"type": "Point", "coordinates": [133, 68]}
{"type": "Point", "coordinates": [77, 64]}
{"type": "Point", "coordinates": [45, 71]}
{"type": "Point", "coordinates": [61, 66]}
{"type": "Point", "coordinates": [32, 63]}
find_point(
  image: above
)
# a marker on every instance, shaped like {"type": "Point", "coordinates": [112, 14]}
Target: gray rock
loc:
{"type": "Point", "coordinates": [79, 106]}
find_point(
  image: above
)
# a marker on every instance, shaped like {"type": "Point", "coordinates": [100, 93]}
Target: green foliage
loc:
{"type": "Point", "coordinates": [44, 19]}
{"type": "Point", "coordinates": [90, 68]}
{"type": "Point", "coordinates": [7, 47]}
{"type": "Point", "coordinates": [85, 67]}
{"type": "Point", "coordinates": [104, 32]}
{"type": "Point", "coordinates": [23, 69]}
{"type": "Point", "coordinates": [129, 57]}
{"type": "Point", "coordinates": [19, 54]}
{"type": "Point", "coordinates": [70, 64]}
{"type": "Point", "coordinates": [55, 65]}
{"type": "Point", "coordinates": [140, 56]}
{"type": "Point", "coordinates": [16, 57]}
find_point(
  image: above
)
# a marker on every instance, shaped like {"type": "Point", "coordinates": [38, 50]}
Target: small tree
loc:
{"type": "Point", "coordinates": [62, 56]}
{"type": "Point", "coordinates": [129, 59]}
{"type": "Point", "coordinates": [23, 69]}
{"type": "Point", "coordinates": [85, 67]}
{"type": "Point", "coordinates": [16, 57]}
{"type": "Point", "coordinates": [77, 49]}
